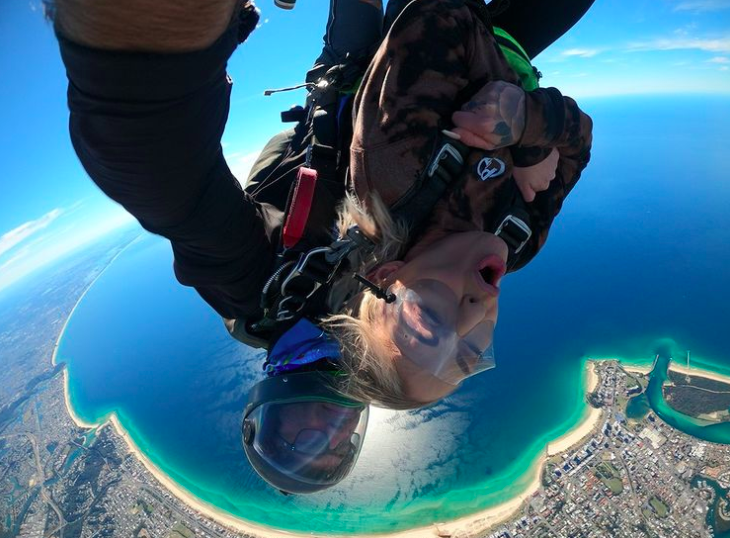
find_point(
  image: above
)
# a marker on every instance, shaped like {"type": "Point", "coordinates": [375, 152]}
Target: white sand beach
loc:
{"type": "Point", "coordinates": [692, 371]}
{"type": "Point", "coordinates": [643, 370]}
{"type": "Point", "coordinates": [472, 525]}
{"type": "Point", "coordinates": [680, 368]}
{"type": "Point", "coordinates": [586, 427]}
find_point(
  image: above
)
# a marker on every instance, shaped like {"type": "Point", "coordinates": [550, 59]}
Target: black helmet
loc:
{"type": "Point", "coordinates": [300, 433]}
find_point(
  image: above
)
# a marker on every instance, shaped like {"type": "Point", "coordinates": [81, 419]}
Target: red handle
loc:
{"type": "Point", "coordinates": [301, 203]}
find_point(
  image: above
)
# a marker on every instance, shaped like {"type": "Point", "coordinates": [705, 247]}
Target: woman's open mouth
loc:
{"type": "Point", "coordinates": [490, 271]}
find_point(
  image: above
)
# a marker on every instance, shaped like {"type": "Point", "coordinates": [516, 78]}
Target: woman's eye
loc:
{"type": "Point", "coordinates": [432, 317]}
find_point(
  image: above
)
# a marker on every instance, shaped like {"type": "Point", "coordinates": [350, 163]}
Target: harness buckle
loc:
{"type": "Point", "coordinates": [515, 232]}
{"type": "Point", "coordinates": [446, 152]}
{"type": "Point", "coordinates": [313, 282]}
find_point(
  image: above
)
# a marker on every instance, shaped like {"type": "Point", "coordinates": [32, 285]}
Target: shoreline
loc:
{"type": "Point", "coordinates": [583, 429]}
{"type": "Point", "coordinates": [643, 370]}
{"type": "Point", "coordinates": [54, 355]}
{"type": "Point", "coordinates": [679, 368]}
{"type": "Point", "coordinates": [698, 372]}
{"type": "Point", "coordinates": [472, 524]}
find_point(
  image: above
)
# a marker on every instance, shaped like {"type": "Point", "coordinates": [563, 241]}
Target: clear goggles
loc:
{"type": "Point", "coordinates": [425, 316]}
{"type": "Point", "coordinates": [304, 446]}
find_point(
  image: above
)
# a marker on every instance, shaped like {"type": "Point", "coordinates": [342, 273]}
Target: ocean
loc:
{"type": "Point", "coordinates": [638, 254]}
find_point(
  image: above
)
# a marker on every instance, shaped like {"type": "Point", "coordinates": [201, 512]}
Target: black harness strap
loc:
{"type": "Point", "coordinates": [304, 266]}
{"type": "Point", "coordinates": [447, 165]}
{"type": "Point", "coordinates": [416, 206]}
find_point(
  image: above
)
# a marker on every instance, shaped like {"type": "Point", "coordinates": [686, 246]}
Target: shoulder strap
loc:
{"type": "Point", "coordinates": [307, 257]}
{"type": "Point", "coordinates": [417, 205]}
{"type": "Point", "coordinates": [513, 225]}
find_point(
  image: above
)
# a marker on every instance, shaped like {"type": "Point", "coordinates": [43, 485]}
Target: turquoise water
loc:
{"type": "Point", "coordinates": [638, 407]}
{"type": "Point", "coordinates": [638, 254]}
{"type": "Point", "coordinates": [702, 429]}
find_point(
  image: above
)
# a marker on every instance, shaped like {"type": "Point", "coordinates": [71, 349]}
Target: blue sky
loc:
{"type": "Point", "coordinates": [48, 206]}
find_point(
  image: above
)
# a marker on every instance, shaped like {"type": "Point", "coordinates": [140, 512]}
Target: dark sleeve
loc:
{"type": "Point", "coordinates": [555, 121]}
{"type": "Point", "coordinates": [147, 129]}
{"type": "Point", "coordinates": [537, 24]}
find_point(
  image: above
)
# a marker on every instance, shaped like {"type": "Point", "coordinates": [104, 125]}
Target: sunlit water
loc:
{"type": "Point", "coordinates": [639, 253]}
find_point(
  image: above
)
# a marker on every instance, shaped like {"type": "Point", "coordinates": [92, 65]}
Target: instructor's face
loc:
{"type": "Point", "coordinates": [297, 422]}
{"type": "Point", "coordinates": [468, 268]}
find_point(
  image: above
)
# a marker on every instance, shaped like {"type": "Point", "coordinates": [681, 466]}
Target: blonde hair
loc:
{"type": "Point", "coordinates": [368, 363]}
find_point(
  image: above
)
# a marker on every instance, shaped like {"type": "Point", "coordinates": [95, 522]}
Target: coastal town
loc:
{"type": "Point", "coordinates": [621, 473]}
{"type": "Point", "coordinates": [628, 478]}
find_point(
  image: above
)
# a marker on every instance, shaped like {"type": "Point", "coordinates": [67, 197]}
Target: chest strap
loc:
{"type": "Point", "coordinates": [442, 172]}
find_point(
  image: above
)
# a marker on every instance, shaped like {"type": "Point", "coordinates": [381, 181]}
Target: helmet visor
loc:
{"type": "Point", "coordinates": [425, 315]}
{"type": "Point", "coordinates": [309, 442]}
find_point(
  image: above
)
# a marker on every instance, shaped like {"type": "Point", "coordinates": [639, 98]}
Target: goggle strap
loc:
{"type": "Point", "coordinates": [379, 292]}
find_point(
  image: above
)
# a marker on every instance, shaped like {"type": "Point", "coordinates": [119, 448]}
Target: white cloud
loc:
{"type": "Point", "coordinates": [26, 230]}
{"type": "Point", "coordinates": [721, 45]}
{"type": "Point", "coordinates": [581, 53]}
{"type": "Point", "coordinates": [686, 30]}
{"type": "Point", "coordinates": [32, 250]}
{"type": "Point", "coordinates": [724, 68]}
{"type": "Point", "coordinates": [702, 5]}
{"type": "Point", "coordinates": [719, 60]}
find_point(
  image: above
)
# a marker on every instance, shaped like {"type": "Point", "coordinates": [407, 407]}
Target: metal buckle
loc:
{"type": "Point", "coordinates": [298, 270]}
{"type": "Point", "coordinates": [443, 153]}
{"type": "Point", "coordinates": [521, 226]}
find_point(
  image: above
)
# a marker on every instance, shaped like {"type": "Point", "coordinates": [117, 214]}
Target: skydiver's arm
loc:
{"type": "Point", "coordinates": [353, 30]}
{"type": "Point", "coordinates": [149, 95]}
{"type": "Point", "coordinates": [554, 121]}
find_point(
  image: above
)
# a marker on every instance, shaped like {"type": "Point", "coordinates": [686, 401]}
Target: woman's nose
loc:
{"type": "Point", "coordinates": [338, 435]}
